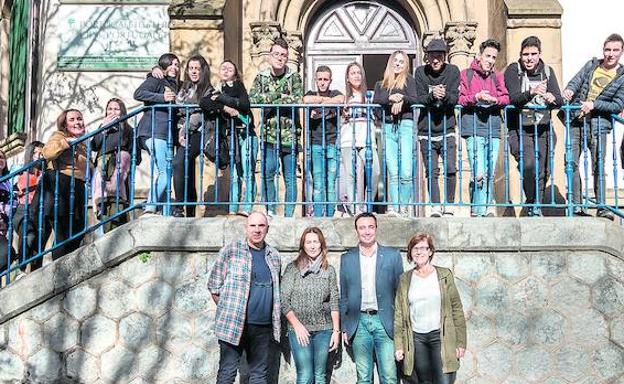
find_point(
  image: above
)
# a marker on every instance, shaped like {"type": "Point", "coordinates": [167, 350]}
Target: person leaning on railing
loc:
{"type": "Point", "coordinates": [113, 149]}
{"type": "Point", "coordinates": [322, 125]}
{"type": "Point", "coordinates": [195, 86]}
{"type": "Point", "coordinates": [8, 204]}
{"type": "Point", "coordinates": [531, 84]}
{"type": "Point", "coordinates": [155, 134]}
{"type": "Point", "coordinates": [63, 189]}
{"type": "Point", "coordinates": [357, 138]}
{"type": "Point", "coordinates": [230, 104]}
{"type": "Point", "coordinates": [279, 85]}
{"type": "Point", "coordinates": [599, 88]}
{"type": "Point", "coordinates": [437, 88]}
{"type": "Point", "coordinates": [26, 186]}
{"type": "Point", "coordinates": [396, 93]}
{"type": "Point", "coordinates": [483, 94]}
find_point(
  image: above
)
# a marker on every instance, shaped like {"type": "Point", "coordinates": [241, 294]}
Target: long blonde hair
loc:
{"type": "Point", "coordinates": [349, 87]}
{"type": "Point", "coordinates": [392, 81]}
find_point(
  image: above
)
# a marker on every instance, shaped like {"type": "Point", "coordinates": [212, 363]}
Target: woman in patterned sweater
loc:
{"type": "Point", "coordinates": [309, 297]}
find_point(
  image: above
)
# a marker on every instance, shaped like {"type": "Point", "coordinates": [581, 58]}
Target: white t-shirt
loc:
{"type": "Point", "coordinates": [368, 267]}
{"type": "Point", "coordinates": [425, 303]}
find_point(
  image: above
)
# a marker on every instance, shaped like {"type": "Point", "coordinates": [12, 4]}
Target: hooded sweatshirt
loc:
{"type": "Point", "coordinates": [520, 98]}
{"type": "Point", "coordinates": [481, 119]}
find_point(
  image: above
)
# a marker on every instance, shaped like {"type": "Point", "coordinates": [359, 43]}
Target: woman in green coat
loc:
{"type": "Point", "coordinates": [429, 323]}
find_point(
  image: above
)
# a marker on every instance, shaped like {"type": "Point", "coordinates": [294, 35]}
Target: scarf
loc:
{"type": "Point", "coordinates": [314, 268]}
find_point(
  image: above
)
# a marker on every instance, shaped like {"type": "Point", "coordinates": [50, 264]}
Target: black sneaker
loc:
{"type": "Point", "coordinates": [579, 212]}
{"type": "Point", "coordinates": [177, 212]}
{"type": "Point", "coordinates": [605, 214]}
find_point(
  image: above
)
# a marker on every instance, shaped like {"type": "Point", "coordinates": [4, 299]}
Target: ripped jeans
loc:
{"type": "Point", "coordinates": [482, 156]}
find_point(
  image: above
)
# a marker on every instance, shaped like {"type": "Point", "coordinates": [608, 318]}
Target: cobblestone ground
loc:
{"type": "Point", "coordinates": [533, 317]}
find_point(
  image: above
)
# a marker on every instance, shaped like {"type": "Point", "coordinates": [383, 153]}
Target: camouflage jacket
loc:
{"type": "Point", "coordinates": [267, 89]}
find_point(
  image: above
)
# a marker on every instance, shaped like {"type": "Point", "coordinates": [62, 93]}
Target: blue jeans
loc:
{"type": "Point", "coordinates": [244, 171]}
{"type": "Point", "coordinates": [371, 336]}
{"type": "Point", "coordinates": [324, 165]}
{"type": "Point", "coordinates": [399, 158]}
{"type": "Point", "coordinates": [269, 174]}
{"type": "Point", "coordinates": [311, 361]}
{"type": "Point", "coordinates": [482, 156]}
{"type": "Point", "coordinates": [158, 184]}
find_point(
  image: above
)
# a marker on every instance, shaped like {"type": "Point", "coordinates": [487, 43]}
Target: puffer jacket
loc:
{"type": "Point", "coordinates": [608, 102]}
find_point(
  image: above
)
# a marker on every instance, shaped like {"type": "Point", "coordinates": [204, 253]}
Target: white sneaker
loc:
{"type": "Point", "coordinates": [392, 212]}
{"type": "Point", "coordinates": [436, 213]}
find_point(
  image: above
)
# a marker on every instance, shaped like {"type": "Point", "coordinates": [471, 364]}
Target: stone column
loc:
{"type": "Point", "coordinates": [263, 34]}
{"type": "Point", "coordinates": [460, 37]}
{"type": "Point", "coordinates": [428, 36]}
{"type": "Point", "coordinates": [197, 28]}
{"type": "Point", "coordinates": [295, 49]}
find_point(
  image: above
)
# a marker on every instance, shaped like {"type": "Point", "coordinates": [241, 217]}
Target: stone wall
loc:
{"type": "Point", "coordinates": [544, 299]}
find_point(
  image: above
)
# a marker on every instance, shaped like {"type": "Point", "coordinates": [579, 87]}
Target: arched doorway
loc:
{"type": "Point", "coordinates": [363, 31]}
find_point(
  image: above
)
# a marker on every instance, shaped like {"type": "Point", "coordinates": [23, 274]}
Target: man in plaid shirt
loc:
{"type": "Point", "coordinates": [244, 283]}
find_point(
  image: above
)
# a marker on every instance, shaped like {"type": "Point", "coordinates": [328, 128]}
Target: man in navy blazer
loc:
{"type": "Point", "coordinates": [369, 277]}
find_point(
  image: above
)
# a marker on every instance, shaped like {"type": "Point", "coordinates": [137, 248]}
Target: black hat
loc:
{"type": "Point", "coordinates": [436, 45]}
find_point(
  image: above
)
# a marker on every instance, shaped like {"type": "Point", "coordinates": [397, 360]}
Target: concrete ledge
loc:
{"type": "Point", "coordinates": [210, 234]}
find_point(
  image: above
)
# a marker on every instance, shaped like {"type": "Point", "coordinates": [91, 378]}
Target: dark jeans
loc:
{"type": "Point", "coordinates": [596, 143]}
{"type": "Point", "coordinates": [529, 170]}
{"type": "Point", "coordinates": [180, 172]}
{"type": "Point", "coordinates": [428, 360]}
{"type": "Point", "coordinates": [256, 343]}
{"type": "Point", "coordinates": [433, 156]}
{"type": "Point", "coordinates": [70, 220]}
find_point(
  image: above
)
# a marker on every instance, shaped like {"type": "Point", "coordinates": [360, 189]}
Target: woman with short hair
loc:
{"type": "Point", "coordinates": [429, 323]}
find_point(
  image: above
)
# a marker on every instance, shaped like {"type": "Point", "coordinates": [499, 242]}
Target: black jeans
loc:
{"type": "Point", "coordinates": [70, 220]}
{"type": "Point", "coordinates": [450, 156]}
{"type": "Point", "coordinates": [179, 174]}
{"type": "Point", "coordinates": [256, 343]}
{"type": "Point", "coordinates": [428, 360]}
{"type": "Point", "coordinates": [528, 159]}
{"type": "Point", "coordinates": [596, 142]}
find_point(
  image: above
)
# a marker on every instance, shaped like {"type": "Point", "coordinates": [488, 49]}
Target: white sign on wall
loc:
{"type": "Point", "coordinates": [110, 38]}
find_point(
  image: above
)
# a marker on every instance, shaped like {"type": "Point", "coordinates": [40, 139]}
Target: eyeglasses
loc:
{"type": "Point", "coordinates": [420, 249]}
{"type": "Point", "coordinates": [279, 55]}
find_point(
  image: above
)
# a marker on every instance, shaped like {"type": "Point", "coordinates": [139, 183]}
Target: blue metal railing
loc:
{"type": "Point", "coordinates": [350, 161]}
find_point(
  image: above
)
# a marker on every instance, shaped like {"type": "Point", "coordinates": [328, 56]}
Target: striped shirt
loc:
{"type": "Point", "coordinates": [230, 278]}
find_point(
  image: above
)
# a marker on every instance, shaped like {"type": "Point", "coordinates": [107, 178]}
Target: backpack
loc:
{"type": "Point", "coordinates": [470, 75]}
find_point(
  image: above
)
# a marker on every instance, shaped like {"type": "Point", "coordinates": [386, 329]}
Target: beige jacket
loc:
{"type": "Point", "coordinates": [60, 156]}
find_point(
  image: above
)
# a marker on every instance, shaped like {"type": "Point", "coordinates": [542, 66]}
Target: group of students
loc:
{"type": "Point", "coordinates": [381, 314]}
{"type": "Point", "coordinates": [341, 134]}
{"type": "Point", "coordinates": [482, 92]}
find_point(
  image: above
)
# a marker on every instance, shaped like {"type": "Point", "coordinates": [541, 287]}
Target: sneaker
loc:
{"type": "Point", "coordinates": [242, 213]}
{"type": "Point", "coordinates": [177, 212]}
{"type": "Point", "coordinates": [605, 214]}
{"type": "Point", "coordinates": [149, 213]}
{"type": "Point", "coordinates": [534, 212]}
{"type": "Point", "coordinates": [448, 214]}
{"type": "Point", "coordinates": [19, 275]}
{"type": "Point", "coordinates": [436, 213]}
{"type": "Point", "coordinates": [580, 212]}
{"type": "Point", "coordinates": [392, 212]}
